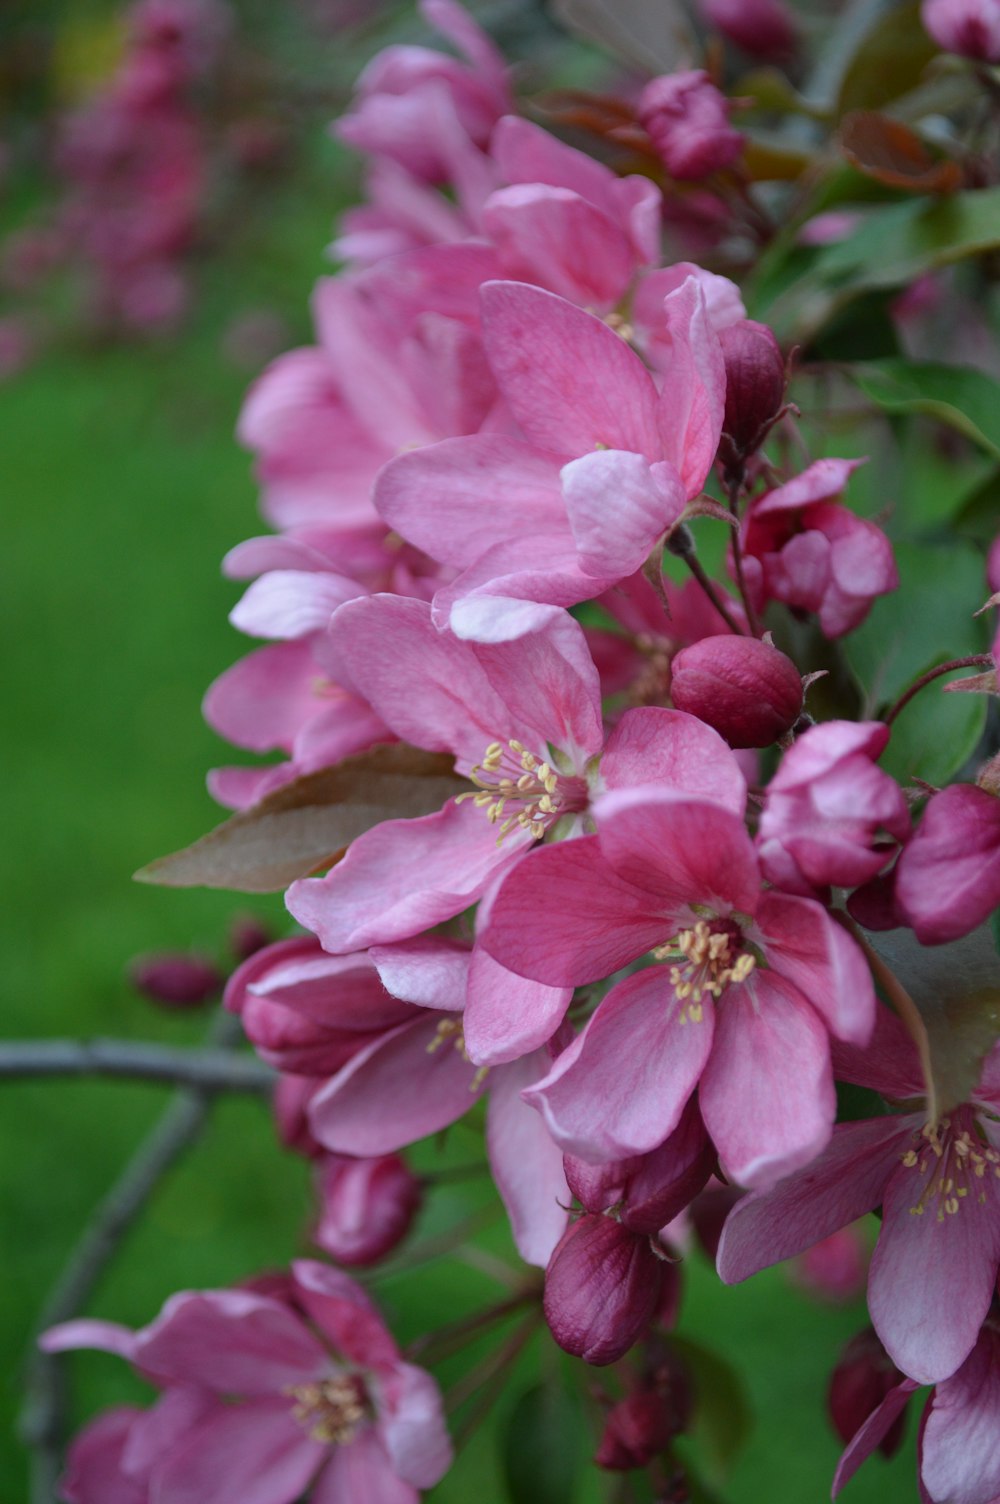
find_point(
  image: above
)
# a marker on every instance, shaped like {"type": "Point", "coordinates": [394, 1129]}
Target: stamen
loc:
{"type": "Point", "coordinates": [953, 1157]}
{"type": "Point", "coordinates": [331, 1410]}
{"type": "Point", "coordinates": [520, 791]}
{"type": "Point", "coordinates": [707, 962]}
{"type": "Point", "coordinates": [450, 1029]}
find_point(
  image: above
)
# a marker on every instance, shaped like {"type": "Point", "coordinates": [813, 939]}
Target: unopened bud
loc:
{"type": "Point", "coordinates": [860, 1382]}
{"type": "Point", "coordinates": [367, 1207]}
{"type": "Point", "coordinates": [970, 28]}
{"type": "Point", "coordinates": [602, 1289]}
{"type": "Point", "coordinates": [747, 690]}
{"type": "Point", "coordinates": [176, 980]}
{"type": "Point", "coordinates": [755, 387]}
{"type": "Point", "coordinates": [247, 936]}
{"type": "Point", "coordinates": [762, 28]}
{"type": "Point", "coordinates": [687, 120]}
{"type": "Point", "coordinates": [636, 1429]}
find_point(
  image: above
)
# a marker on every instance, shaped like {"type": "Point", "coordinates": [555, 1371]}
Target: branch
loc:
{"type": "Point", "coordinates": [43, 1416]}
{"type": "Point", "coordinates": [210, 1070]}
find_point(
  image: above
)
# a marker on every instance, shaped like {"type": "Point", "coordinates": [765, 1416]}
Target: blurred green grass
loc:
{"type": "Point", "coordinates": [124, 487]}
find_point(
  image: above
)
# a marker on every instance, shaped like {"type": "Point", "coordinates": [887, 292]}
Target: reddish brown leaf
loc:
{"type": "Point", "coordinates": [308, 823]}
{"type": "Point", "coordinates": [893, 154]}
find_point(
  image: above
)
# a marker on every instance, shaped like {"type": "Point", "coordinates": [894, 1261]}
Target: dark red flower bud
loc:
{"type": "Point", "coordinates": [763, 28]}
{"type": "Point", "coordinates": [746, 689]}
{"type": "Point", "coordinates": [247, 936]}
{"type": "Point", "coordinates": [176, 980]}
{"type": "Point", "coordinates": [602, 1289]}
{"type": "Point", "coordinates": [860, 1382]}
{"type": "Point", "coordinates": [367, 1207]}
{"type": "Point", "coordinates": [636, 1429]}
{"type": "Point", "coordinates": [755, 387]}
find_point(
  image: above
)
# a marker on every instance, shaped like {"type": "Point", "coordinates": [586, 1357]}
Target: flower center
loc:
{"type": "Point", "coordinates": [518, 789]}
{"type": "Point", "coordinates": [331, 1410]}
{"type": "Point", "coordinates": [706, 959]}
{"type": "Point", "coordinates": [450, 1029]}
{"type": "Point", "coordinates": [955, 1161]}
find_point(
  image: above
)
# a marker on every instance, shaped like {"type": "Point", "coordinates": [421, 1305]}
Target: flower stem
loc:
{"type": "Point", "coordinates": [733, 492]}
{"type": "Point", "coordinates": [681, 543]}
{"type": "Point", "coordinates": [974, 660]}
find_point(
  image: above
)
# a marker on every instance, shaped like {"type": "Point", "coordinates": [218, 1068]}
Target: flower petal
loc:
{"type": "Point", "coordinates": [507, 1016]}
{"type": "Point", "coordinates": [805, 944]}
{"type": "Point", "coordinates": [618, 506]}
{"type": "Point", "coordinates": [229, 1341]}
{"type": "Point", "coordinates": [864, 1441]}
{"type": "Point", "coordinates": [252, 1453]}
{"type": "Point", "coordinates": [654, 746]}
{"type": "Point", "coordinates": [527, 1164]}
{"type": "Point", "coordinates": [961, 1459]}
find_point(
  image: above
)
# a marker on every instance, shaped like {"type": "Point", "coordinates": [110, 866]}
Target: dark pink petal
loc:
{"type": "Point", "coordinates": [693, 399]}
{"type": "Point", "coordinates": [526, 1164]}
{"type": "Point", "coordinates": [252, 1453]}
{"type": "Point", "coordinates": [361, 1470]}
{"type": "Point", "coordinates": [564, 917]}
{"type": "Point", "coordinates": [572, 383]}
{"type": "Point", "coordinates": [948, 878]}
{"type": "Point", "coordinates": [961, 1459]}
{"type": "Point", "coordinates": [402, 1087]}
{"type": "Point", "coordinates": [429, 970]}
{"type": "Point", "coordinates": [682, 851]}
{"type": "Point", "coordinates": [621, 1086]}
{"type": "Point", "coordinates": [230, 1341]}
{"type": "Point", "coordinates": [847, 1180]}
{"type": "Point", "coordinates": [404, 876]}
{"type": "Point", "coordinates": [618, 506]}
{"type": "Point", "coordinates": [344, 1314]}
{"type": "Point", "coordinates": [602, 1289]}
{"type": "Point", "coordinates": [875, 1428]}
{"type": "Point", "coordinates": [767, 1092]}
{"type": "Point", "coordinates": [340, 992]}
{"type": "Point", "coordinates": [654, 746]}
{"type": "Point", "coordinates": [932, 1275]}
{"type": "Point", "coordinates": [163, 1426]}
{"type": "Point", "coordinates": [94, 1472]}
{"type": "Point", "coordinates": [507, 1016]}
{"type": "Point", "coordinates": [661, 1184]}
{"type": "Point", "coordinates": [459, 498]}
{"type": "Point", "coordinates": [411, 1425]}
{"type": "Point", "coordinates": [805, 944]}
{"type": "Point", "coordinates": [888, 1063]}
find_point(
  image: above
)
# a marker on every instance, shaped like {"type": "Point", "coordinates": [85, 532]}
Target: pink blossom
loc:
{"type": "Point", "coordinates": [680, 877]}
{"type": "Point", "coordinates": [688, 123]}
{"type": "Point", "coordinates": [283, 1395]}
{"type": "Point", "coordinates": [828, 810]}
{"type": "Point", "coordinates": [835, 1269]}
{"type": "Point", "coordinates": [605, 467]}
{"type": "Point", "coordinates": [805, 549]}
{"type": "Point", "coordinates": [864, 1376]}
{"type": "Point", "coordinates": [763, 28]}
{"type": "Point", "coordinates": [937, 1185]}
{"type": "Point", "coordinates": [366, 1207]}
{"type": "Point", "coordinates": [175, 979]}
{"type": "Point", "coordinates": [948, 878]}
{"type": "Point", "coordinates": [968, 27]}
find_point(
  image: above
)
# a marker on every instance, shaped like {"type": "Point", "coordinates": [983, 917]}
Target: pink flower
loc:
{"type": "Point", "coordinates": [968, 27]}
{"type": "Point", "coordinates": [864, 1376]}
{"type": "Point", "coordinates": [680, 877]}
{"type": "Point", "coordinates": [605, 467]}
{"type": "Point", "coordinates": [285, 1395]}
{"type": "Point", "coordinates": [366, 1207]}
{"type": "Point", "coordinates": [688, 123]}
{"type": "Point", "coordinates": [835, 1269]}
{"type": "Point", "coordinates": [803, 548]}
{"type": "Point", "coordinates": [763, 28]}
{"type": "Point", "coordinates": [948, 878]}
{"type": "Point", "coordinates": [826, 808]}
{"type": "Point", "coordinates": [937, 1184]}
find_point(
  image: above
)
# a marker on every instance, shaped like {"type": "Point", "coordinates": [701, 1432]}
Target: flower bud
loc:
{"type": "Point", "coordinates": [602, 1288]}
{"type": "Point", "coordinates": [367, 1207]}
{"type": "Point", "coordinates": [176, 980]}
{"type": "Point", "coordinates": [744, 688]}
{"type": "Point", "coordinates": [247, 936]}
{"type": "Point", "coordinates": [969, 27]}
{"type": "Point", "coordinates": [762, 28]}
{"type": "Point", "coordinates": [835, 1269]}
{"type": "Point", "coordinates": [687, 120]}
{"type": "Point", "coordinates": [863, 1377]}
{"type": "Point", "coordinates": [755, 387]}
{"type": "Point", "coordinates": [636, 1429]}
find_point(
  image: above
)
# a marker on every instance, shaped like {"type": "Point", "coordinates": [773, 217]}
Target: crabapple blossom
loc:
{"type": "Point", "coordinates": [947, 881]}
{"type": "Point", "coordinates": [968, 27]}
{"type": "Point", "coordinates": [688, 123]}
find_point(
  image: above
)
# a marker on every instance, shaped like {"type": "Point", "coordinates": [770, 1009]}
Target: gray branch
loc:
{"type": "Point", "coordinates": [211, 1069]}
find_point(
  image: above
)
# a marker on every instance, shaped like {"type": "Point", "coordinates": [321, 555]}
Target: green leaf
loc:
{"type": "Point", "coordinates": [541, 1446]}
{"type": "Point", "coordinates": [889, 62]}
{"type": "Point", "coordinates": [964, 399]}
{"type": "Point", "coordinates": [926, 621]}
{"type": "Point", "coordinates": [722, 1419]}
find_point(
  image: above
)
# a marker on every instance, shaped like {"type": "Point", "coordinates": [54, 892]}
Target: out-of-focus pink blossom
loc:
{"type": "Point", "coordinates": [762, 28]}
{"type": "Point", "coordinates": [829, 228]}
{"type": "Point", "coordinates": [176, 980]}
{"type": "Point", "coordinates": [835, 1269]}
{"type": "Point", "coordinates": [366, 1207]}
{"type": "Point", "coordinates": [746, 689]}
{"type": "Point", "coordinates": [969, 27]}
{"type": "Point", "coordinates": [828, 810]}
{"type": "Point", "coordinates": [292, 1096]}
{"type": "Point", "coordinates": [864, 1376]}
{"type": "Point", "coordinates": [688, 123]}
{"type": "Point", "coordinates": [17, 346]}
{"type": "Point", "coordinates": [948, 878]}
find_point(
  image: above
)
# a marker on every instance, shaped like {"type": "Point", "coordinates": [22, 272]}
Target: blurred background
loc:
{"type": "Point", "coordinates": [146, 275]}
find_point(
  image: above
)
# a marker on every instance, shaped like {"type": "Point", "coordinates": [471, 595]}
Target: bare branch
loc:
{"type": "Point", "coordinates": [211, 1070]}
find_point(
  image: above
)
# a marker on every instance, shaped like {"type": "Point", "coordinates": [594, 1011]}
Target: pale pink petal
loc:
{"type": "Point", "coordinates": [767, 1094]}
{"type": "Point", "coordinates": [618, 507]}
{"type": "Point", "coordinates": [252, 1453]}
{"type": "Point", "coordinates": [290, 603]}
{"type": "Point", "coordinates": [555, 238]}
{"type": "Point", "coordinates": [506, 1015]}
{"type": "Point", "coordinates": [572, 383]}
{"type": "Point", "coordinates": [824, 480]}
{"type": "Point", "coordinates": [399, 1089]}
{"type": "Point", "coordinates": [621, 1086]}
{"type": "Point", "coordinates": [163, 1426]}
{"type": "Point", "coordinates": [681, 850]}
{"type": "Point", "coordinates": [526, 153]}
{"type": "Point", "coordinates": [847, 1180]}
{"type": "Point", "coordinates": [104, 1336]}
{"type": "Point", "coordinates": [654, 746]}
{"type": "Point", "coordinates": [404, 876]}
{"type": "Point", "coordinates": [230, 1341]}
{"type": "Point", "coordinates": [548, 571]}
{"type": "Point", "coordinates": [362, 1471]}
{"type": "Point", "coordinates": [723, 305]}
{"type": "Point", "coordinates": [454, 22]}
{"type": "Point", "coordinates": [693, 399]}
{"type": "Point", "coordinates": [875, 1428]}
{"type": "Point", "coordinates": [429, 970]}
{"type": "Point", "coordinates": [961, 1459]}
{"type": "Point", "coordinates": [411, 1425]}
{"type": "Point", "coordinates": [803, 942]}
{"type": "Point", "coordinates": [920, 1262]}
{"type": "Point", "coordinates": [264, 700]}
{"type": "Point", "coordinates": [344, 1314]}
{"type": "Point", "coordinates": [526, 1163]}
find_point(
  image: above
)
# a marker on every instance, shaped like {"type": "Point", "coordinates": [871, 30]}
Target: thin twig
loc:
{"type": "Point", "coordinates": [486, 1379]}
{"type": "Point", "coordinates": [433, 1347]}
{"type": "Point", "coordinates": [682, 544]}
{"type": "Point", "coordinates": [974, 660]}
{"type": "Point", "coordinates": [211, 1070]}
{"type": "Point", "coordinates": [43, 1416]}
{"type": "Point", "coordinates": [733, 492]}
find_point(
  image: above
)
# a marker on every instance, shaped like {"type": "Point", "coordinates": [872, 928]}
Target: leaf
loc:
{"type": "Point", "coordinates": [541, 1446]}
{"type": "Point", "coordinates": [964, 399]}
{"type": "Point", "coordinates": [769, 159]}
{"type": "Point", "coordinates": [722, 1419]}
{"type": "Point", "coordinates": [308, 823]}
{"type": "Point", "coordinates": [892, 153]}
{"type": "Point", "coordinates": [926, 621]}
{"type": "Point", "coordinates": [889, 62]}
